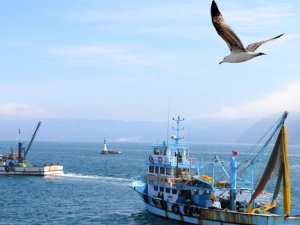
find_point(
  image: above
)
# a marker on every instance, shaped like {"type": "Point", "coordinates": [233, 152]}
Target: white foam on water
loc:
{"type": "Point", "coordinates": [94, 177]}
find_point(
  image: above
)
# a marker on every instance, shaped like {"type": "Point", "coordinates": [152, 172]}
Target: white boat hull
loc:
{"type": "Point", "coordinates": [206, 216]}
{"type": "Point", "coordinates": [32, 170]}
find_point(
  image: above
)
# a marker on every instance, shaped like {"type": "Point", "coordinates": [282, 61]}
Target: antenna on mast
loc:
{"type": "Point", "coordinates": [169, 109]}
{"type": "Point", "coordinates": [177, 138]}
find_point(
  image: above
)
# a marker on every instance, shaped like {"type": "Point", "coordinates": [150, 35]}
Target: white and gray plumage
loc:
{"type": "Point", "coordinates": [238, 53]}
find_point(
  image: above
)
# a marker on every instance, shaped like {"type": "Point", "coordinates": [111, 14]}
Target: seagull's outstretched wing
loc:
{"type": "Point", "coordinates": [229, 36]}
{"type": "Point", "coordinates": [252, 47]}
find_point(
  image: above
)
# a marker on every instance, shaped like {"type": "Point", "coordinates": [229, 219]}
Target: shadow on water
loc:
{"type": "Point", "coordinates": [146, 218]}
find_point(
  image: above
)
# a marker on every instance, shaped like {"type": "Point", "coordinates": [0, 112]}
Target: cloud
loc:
{"type": "Point", "coordinates": [276, 102]}
{"type": "Point", "coordinates": [161, 12]}
{"type": "Point", "coordinates": [128, 139]}
{"type": "Point", "coordinates": [274, 14]}
{"type": "Point", "coordinates": [21, 110]}
{"type": "Point", "coordinates": [116, 55]}
{"type": "Point", "coordinates": [103, 55]}
{"type": "Point", "coordinates": [164, 19]}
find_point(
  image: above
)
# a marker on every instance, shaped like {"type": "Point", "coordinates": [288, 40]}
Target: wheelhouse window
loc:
{"type": "Point", "coordinates": [168, 171]}
{"type": "Point", "coordinates": [162, 170]}
{"type": "Point", "coordinates": [160, 150]}
{"type": "Point", "coordinates": [161, 189]}
{"type": "Point", "coordinates": [168, 190]}
{"type": "Point", "coordinates": [151, 169]}
{"type": "Point", "coordinates": [163, 151]}
{"type": "Point", "coordinates": [183, 171]}
{"type": "Point", "coordinates": [174, 191]}
{"type": "Point", "coordinates": [156, 169]}
{"type": "Point", "coordinates": [155, 188]}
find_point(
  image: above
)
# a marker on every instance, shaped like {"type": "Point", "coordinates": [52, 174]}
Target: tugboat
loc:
{"type": "Point", "coordinates": [177, 187]}
{"type": "Point", "coordinates": [106, 151]}
{"type": "Point", "coordinates": [17, 164]}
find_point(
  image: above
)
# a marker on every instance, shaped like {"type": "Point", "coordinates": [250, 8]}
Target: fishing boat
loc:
{"type": "Point", "coordinates": [179, 187]}
{"type": "Point", "coordinates": [17, 163]}
{"type": "Point", "coordinates": [105, 150]}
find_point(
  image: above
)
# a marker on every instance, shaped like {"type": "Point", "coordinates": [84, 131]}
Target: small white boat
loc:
{"type": "Point", "coordinates": [16, 163]}
{"type": "Point", "coordinates": [106, 151]}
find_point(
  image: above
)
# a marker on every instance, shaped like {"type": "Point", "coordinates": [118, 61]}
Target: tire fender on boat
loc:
{"type": "Point", "coordinates": [163, 204]}
{"type": "Point", "coordinates": [197, 210]}
{"type": "Point", "coordinates": [154, 201]}
{"type": "Point", "coordinates": [175, 209]}
{"type": "Point", "coordinates": [6, 168]}
{"type": "Point", "coordinates": [146, 199]}
{"type": "Point", "coordinates": [187, 210]}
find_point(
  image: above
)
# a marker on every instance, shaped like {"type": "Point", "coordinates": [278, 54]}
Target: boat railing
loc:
{"type": "Point", "coordinates": [137, 178]}
{"type": "Point", "coordinates": [51, 164]}
{"type": "Point", "coordinates": [136, 181]}
{"type": "Point", "coordinates": [186, 161]}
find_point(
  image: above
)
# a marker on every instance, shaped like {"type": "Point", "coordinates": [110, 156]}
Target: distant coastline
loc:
{"type": "Point", "coordinates": [196, 131]}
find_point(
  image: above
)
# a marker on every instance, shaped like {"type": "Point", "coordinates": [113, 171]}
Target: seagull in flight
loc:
{"type": "Point", "coordinates": [238, 53]}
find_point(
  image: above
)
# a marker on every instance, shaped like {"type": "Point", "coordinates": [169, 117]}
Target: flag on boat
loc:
{"type": "Point", "coordinates": [234, 153]}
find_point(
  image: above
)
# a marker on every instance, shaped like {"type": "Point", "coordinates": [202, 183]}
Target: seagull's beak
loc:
{"type": "Point", "coordinates": [221, 62]}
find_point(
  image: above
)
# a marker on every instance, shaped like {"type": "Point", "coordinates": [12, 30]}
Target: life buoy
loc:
{"type": "Point", "coordinates": [151, 160]}
{"type": "Point", "coordinates": [163, 204]}
{"type": "Point", "coordinates": [6, 168]}
{"type": "Point", "coordinates": [160, 159]}
{"type": "Point", "coordinates": [192, 160]}
{"type": "Point", "coordinates": [175, 209]}
{"type": "Point", "coordinates": [187, 210]}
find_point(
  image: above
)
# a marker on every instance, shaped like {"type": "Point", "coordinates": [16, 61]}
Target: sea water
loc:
{"type": "Point", "coordinates": [94, 188]}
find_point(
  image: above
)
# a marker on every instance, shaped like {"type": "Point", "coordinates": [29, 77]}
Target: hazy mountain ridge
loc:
{"type": "Point", "coordinates": [196, 131]}
{"type": "Point", "coordinates": [258, 129]}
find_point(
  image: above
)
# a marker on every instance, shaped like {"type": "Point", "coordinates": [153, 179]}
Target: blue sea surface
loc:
{"type": "Point", "coordinates": [94, 188]}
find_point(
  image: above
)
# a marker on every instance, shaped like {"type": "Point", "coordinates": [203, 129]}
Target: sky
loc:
{"type": "Point", "coordinates": [143, 60]}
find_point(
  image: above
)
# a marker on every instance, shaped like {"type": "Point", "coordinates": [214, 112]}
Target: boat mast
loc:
{"type": "Point", "coordinates": [33, 136]}
{"type": "Point", "coordinates": [177, 138]}
{"type": "Point", "coordinates": [286, 174]}
{"type": "Point", "coordinates": [233, 184]}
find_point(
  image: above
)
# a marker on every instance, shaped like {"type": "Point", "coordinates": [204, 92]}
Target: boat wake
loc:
{"type": "Point", "coordinates": [95, 177]}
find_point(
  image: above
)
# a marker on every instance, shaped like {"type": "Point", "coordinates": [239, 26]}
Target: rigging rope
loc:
{"type": "Point", "coordinates": [245, 165]}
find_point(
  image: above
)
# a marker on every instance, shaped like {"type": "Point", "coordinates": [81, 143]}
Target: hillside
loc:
{"type": "Point", "coordinates": [196, 131]}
